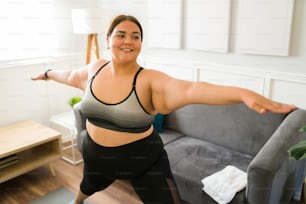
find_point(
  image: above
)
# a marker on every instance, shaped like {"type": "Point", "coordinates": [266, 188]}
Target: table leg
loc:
{"type": "Point", "coordinates": [51, 169]}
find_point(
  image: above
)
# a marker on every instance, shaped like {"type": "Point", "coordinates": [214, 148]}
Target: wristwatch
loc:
{"type": "Point", "coordinates": [46, 73]}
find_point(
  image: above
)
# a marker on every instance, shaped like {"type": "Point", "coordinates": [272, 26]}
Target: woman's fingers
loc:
{"type": "Point", "coordinates": [276, 107]}
{"type": "Point", "coordinates": [39, 77]}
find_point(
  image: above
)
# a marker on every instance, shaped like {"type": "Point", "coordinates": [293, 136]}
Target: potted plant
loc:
{"type": "Point", "coordinates": [74, 100]}
{"type": "Point", "coordinates": [298, 151]}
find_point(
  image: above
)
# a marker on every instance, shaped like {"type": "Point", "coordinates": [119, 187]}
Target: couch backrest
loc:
{"type": "Point", "coordinates": [233, 126]}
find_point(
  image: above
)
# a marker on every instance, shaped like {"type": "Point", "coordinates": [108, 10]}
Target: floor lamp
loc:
{"type": "Point", "coordinates": [90, 22]}
{"type": "Point", "coordinates": [92, 44]}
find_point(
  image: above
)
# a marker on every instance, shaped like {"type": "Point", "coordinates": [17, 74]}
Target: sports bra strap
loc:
{"type": "Point", "coordinates": [97, 72]}
{"type": "Point", "coordinates": [135, 77]}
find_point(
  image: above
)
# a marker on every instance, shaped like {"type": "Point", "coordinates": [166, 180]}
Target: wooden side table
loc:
{"type": "Point", "coordinates": [30, 144]}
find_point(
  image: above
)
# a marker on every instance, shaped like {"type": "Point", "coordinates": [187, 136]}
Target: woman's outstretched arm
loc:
{"type": "Point", "coordinates": [76, 78]}
{"type": "Point", "coordinates": [170, 94]}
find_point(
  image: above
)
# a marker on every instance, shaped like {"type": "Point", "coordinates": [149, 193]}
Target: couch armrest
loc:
{"type": "Point", "coordinates": [272, 176]}
{"type": "Point", "coordinates": [80, 123]}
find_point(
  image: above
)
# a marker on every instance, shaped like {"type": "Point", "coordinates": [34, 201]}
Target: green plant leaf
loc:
{"type": "Point", "coordinates": [74, 100]}
{"type": "Point", "coordinates": [303, 129]}
{"type": "Point", "coordinates": [298, 151]}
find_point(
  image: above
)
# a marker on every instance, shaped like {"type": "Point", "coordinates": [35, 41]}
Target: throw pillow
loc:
{"type": "Point", "coordinates": [158, 122]}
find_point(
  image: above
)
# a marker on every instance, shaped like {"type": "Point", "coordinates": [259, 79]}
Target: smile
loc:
{"type": "Point", "coordinates": [127, 49]}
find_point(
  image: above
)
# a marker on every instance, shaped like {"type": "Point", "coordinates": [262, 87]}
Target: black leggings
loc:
{"type": "Point", "coordinates": [145, 163]}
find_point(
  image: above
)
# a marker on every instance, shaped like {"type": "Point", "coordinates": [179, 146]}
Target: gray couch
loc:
{"type": "Point", "coordinates": [201, 140]}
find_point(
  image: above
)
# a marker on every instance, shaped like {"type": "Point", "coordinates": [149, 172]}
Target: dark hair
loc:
{"type": "Point", "coordinates": [120, 18]}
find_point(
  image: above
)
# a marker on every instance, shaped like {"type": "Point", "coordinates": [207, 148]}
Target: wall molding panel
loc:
{"type": "Point", "coordinates": [265, 26]}
{"type": "Point", "coordinates": [207, 25]}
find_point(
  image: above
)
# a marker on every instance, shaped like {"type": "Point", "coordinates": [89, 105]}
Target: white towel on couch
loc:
{"type": "Point", "coordinates": [223, 185]}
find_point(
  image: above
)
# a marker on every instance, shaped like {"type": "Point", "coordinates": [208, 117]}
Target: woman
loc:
{"type": "Point", "coordinates": [120, 100]}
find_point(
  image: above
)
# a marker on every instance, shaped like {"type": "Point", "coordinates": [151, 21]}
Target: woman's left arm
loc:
{"type": "Point", "coordinates": [170, 94]}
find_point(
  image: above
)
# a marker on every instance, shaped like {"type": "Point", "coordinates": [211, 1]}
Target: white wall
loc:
{"type": "Point", "coordinates": [295, 63]}
{"type": "Point", "coordinates": [36, 28]}
{"type": "Point", "coordinates": [21, 98]}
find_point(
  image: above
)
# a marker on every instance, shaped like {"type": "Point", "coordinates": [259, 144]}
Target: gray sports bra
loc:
{"type": "Point", "coordinates": [126, 116]}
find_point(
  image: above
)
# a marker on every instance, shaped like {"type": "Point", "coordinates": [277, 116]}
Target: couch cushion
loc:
{"type": "Point", "coordinates": [192, 159]}
{"type": "Point", "coordinates": [168, 136]}
{"type": "Point", "coordinates": [233, 126]}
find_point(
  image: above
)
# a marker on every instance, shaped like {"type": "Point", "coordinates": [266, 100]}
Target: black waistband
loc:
{"type": "Point", "coordinates": [108, 125]}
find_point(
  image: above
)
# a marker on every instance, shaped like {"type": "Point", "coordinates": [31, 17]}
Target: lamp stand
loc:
{"type": "Point", "coordinates": [92, 42]}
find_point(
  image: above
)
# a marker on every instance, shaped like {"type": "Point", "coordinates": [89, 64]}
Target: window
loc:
{"type": "Point", "coordinates": [39, 28]}
{"type": "Point", "coordinates": [27, 29]}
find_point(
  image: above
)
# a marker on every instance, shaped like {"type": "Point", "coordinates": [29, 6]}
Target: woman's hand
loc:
{"type": "Point", "coordinates": [40, 76]}
{"type": "Point", "coordinates": [262, 105]}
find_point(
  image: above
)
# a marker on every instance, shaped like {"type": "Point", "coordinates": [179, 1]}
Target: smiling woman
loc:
{"type": "Point", "coordinates": [120, 101]}
{"type": "Point", "coordinates": [125, 42]}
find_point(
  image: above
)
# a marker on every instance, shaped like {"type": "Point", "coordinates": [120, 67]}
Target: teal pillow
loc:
{"type": "Point", "coordinates": [158, 122]}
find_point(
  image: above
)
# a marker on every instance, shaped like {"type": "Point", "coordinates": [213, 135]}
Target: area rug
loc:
{"type": "Point", "coordinates": [58, 196]}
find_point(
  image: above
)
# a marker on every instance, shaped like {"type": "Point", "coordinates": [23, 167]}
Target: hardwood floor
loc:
{"type": "Point", "coordinates": [39, 182]}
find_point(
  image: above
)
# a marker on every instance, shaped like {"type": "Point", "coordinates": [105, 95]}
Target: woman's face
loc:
{"type": "Point", "coordinates": [125, 42]}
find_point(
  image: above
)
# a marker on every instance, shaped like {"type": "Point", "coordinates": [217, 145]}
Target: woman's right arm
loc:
{"type": "Point", "coordinates": [76, 78]}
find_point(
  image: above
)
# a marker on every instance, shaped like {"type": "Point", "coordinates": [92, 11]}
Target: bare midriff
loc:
{"type": "Point", "coordinates": [111, 138]}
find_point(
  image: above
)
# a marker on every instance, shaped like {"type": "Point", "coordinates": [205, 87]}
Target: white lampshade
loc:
{"type": "Point", "coordinates": [88, 21]}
